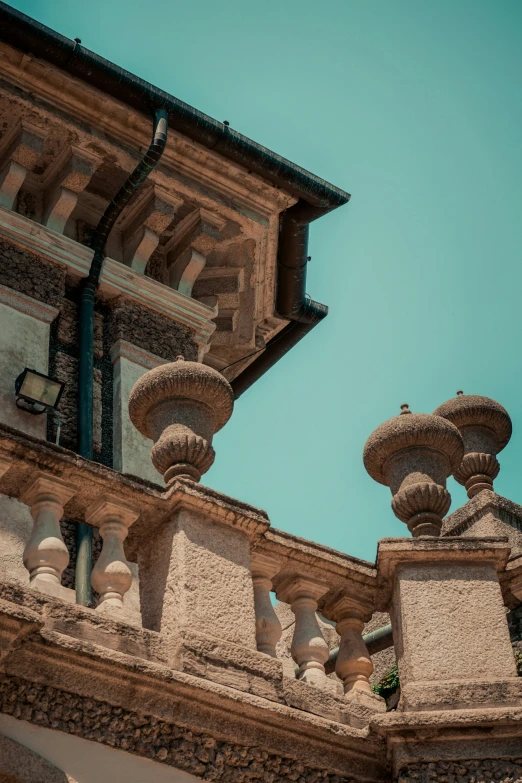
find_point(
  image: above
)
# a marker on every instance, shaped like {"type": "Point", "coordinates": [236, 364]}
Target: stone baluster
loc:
{"type": "Point", "coordinates": [413, 454]}
{"type": "Point", "coordinates": [354, 665]}
{"type": "Point", "coordinates": [309, 649]}
{"type": "Point", "coordinates": [268, 627]}
{"type": "Point", "coordinates": [485, 427]}
{"type": "Point", "coordinates": [111, 577]}
{"type": "Point", "coordinates": [45, 555]}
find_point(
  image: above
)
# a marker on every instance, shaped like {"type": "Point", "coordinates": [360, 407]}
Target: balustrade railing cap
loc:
{"type": "Point", "coordinates": [473, 410]}
{"type": "Point", "coordinates": [181, 380]}
{"type": "Point", "coordinates": [415, 430]}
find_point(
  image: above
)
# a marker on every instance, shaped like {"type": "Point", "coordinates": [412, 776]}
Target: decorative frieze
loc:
{"type": "Point", "coordinates": [176, 312]}
{"type": "Point", "coordinates": [21, 150]}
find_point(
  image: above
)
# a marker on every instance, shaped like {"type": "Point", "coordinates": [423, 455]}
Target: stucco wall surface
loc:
{"type": "Point", "coordinates": [131, 449]}
{"type": "Point", "coordinates": [24, 342]}
{"type": "Point", "coordinates": [463, 602]}
{"type": "Point", "coordinates": [15, 528]}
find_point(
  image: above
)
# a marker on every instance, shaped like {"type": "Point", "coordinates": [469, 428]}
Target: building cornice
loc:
{"type": "Point", "coordinates": [247, 192]}
{"type": "Point", "coordinates": [116, 280]}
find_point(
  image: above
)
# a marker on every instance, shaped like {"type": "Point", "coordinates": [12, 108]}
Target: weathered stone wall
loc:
{"type": "Point", "coordinates": [151, 331]}
{"type": "Point", "coordinates": [473, 771]}
{"type": "Point", "coordinates": [31, 275]}
{"type": "Point", "coordinates": [123, 319]}
{"type": "Point", "coordinates": [135, 732]}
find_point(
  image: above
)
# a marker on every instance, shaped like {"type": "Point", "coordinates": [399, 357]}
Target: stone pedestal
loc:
{"type": "Point", "coordinates": [195, 574]}
{"type": "Point", "coordinates": [456, 665]}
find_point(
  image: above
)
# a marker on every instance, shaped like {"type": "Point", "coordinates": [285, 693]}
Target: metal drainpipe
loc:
{"type": "Point", "coordinates": [375, 641]}
{"type": "Point", "coordinates": [292, 301]}
{"type": "Point", "coordinates": [86, 334]}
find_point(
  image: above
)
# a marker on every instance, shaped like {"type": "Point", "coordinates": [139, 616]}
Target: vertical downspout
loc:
{"type": "Point", "coordinates": [86, 334]}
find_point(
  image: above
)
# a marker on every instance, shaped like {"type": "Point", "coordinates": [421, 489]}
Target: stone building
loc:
{"type": "Point", "coordinates": [152, 267]}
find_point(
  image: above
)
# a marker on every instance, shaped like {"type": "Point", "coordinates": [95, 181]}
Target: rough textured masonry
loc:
{"type": "Point", "coordinates": [174, 658]}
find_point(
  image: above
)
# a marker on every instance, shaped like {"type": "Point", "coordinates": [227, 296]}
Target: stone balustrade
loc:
{"type": "Point", "coordinates": [208, 565]}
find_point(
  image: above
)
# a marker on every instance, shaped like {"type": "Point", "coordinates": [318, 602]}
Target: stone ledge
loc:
{"type": "Point", "coordinates": [455, 735]}
{"type": "Point", "coordinates": [454, 695]}
{"type": "Point", "coordinates": [116, 280]}
{"type": "Point", "coordinates": [27, 454]}
{"type": "Point", "coordinates": [306, 697]}
{"type": "Point", "coordinates": [298, 557]}
{"type": "Point", "coordinates": [49, 671]}
{"type": "Point", "coordinates": [394, 552]}
{"type": "Point", "coordinates": [462, 518]}
{"type": "Point", "coordinates": [27, 305]}
{"type": "Point", "coordinates": [192, 653]}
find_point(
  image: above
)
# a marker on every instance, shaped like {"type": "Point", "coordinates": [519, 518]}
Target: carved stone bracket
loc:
{"type": "Point", "coordinates": [189, 246]}
{"type": "Point", "coordinates": [69, 176]}
{"type": "Point", "coordinates": [19, 154]}
{"type": "Point", "coordinates": [144, 222]}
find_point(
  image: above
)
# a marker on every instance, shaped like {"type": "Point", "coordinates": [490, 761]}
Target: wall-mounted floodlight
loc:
{"type": "Point", "coordinates": [36, 393]}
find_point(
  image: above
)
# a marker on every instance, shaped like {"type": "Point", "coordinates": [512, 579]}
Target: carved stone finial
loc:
{"type": "Point", "coordinates": [413, 455]}
{"type": "Point", "coordinates": [180, 406]}
{"type": "Point", "coordinates": [485, 427]}
{"type": "Point", "coordinates": [405, 408]}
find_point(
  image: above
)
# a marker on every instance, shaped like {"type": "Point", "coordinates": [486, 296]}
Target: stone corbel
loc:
{"type": "Point", "coordinates": [143, 225]}
{"type": "Point", "coordinates": [187, 250]}
{"type": "Point", "coordinates": [20, 153]}
{"type": "Point", "coordinates": [69, 177]}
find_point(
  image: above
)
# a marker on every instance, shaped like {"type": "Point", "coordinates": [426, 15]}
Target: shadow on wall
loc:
{"type": "Point", "coordinates": [40, 755]}
{"type": "Point", "coordinates": [20, 765]}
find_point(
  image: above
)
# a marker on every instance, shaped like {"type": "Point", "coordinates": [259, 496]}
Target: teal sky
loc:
{"type": "Point", "coordinates": [415, 108]}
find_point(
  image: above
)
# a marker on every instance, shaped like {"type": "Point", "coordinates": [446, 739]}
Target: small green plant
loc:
{"type": "Point", "coordinates": [518, 661]}
{"type": "Point", "coordinates": [389, 683]}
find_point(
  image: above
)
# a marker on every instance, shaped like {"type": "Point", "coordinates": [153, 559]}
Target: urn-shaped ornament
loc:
{"type": "Point", "coordinates": [413, 454]}
{"type": "Point", "coordinates": [180, 406]}
{"type": "Point", "coordinates": [485, 427]}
